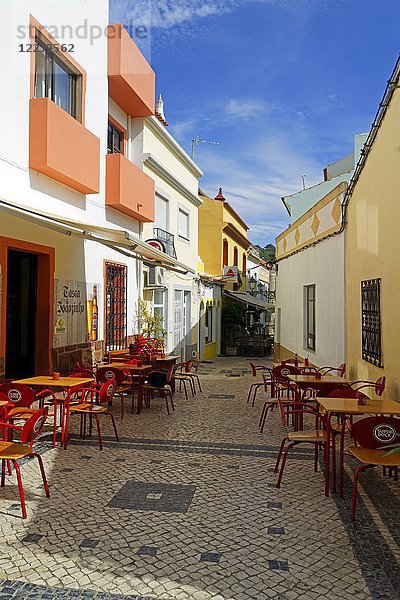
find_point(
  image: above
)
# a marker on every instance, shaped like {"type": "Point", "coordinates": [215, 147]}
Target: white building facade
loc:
{"type": "Point", "coordinates": [74, 198]}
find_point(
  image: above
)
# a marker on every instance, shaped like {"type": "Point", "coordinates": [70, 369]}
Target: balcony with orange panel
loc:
{"type": "Point", "coordinates": [128, 189]}
{"type": "Point", "coordinates": [62, 148]}
{"type": "Point", "coordinates": [131, 80]}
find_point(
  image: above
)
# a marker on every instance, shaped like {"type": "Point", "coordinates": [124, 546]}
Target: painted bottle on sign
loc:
{"type": "Point", "coordinates": [95, 315]}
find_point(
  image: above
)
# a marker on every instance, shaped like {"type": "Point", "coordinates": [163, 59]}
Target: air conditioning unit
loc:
{"type": "Point", "coordinates": [156, 276]}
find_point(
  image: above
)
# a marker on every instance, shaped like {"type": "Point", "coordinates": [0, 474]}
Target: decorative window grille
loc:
{"type": "Point", "coordinates": [115, 306]}
{"type": "Point", "coordinates": [371, 321]}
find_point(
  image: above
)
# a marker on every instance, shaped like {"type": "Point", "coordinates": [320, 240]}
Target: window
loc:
{"type": "Point", "coordinates": [310, 316]}
{"type": "Point", "coordinates": [225, 254]}
{"type": "Point", "coordinates": [371, 321]}
{"type": "Point", "coordinates": [54, 79]}
{"type": "Point", "coordinates": [209, 324]}
{"type": "Point", "coordinates": [159, 304]}
{"type": "Point", "coordinates": [183, 224]}
{"type": "Point", "coordinates": [115, 306]}
{"type": "Point", "coordinates": [244, 264]}
{"type": "Point", "coordinates": [235, 256]}
{"type": "Point", "coordinates": [115, 140]}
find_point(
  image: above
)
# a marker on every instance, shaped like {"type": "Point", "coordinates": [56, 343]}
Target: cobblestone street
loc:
{"type": "Point", "coordinates": [185, 506]}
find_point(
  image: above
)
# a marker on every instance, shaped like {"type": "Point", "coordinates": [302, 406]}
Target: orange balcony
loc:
{"type": "Point", "coordinates": [131, 80]}
{"type": "Point", "coordinates": [128, 189]}
{"type": "Point", "coordinates": [62, 148]}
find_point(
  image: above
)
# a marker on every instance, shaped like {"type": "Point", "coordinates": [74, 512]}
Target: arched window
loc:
{"type": "Point", "coordinates": [244, 264]}
{"type": "Point", "coordinates": [225, 254]}
{"type": "Point", "coordinates": [235, 256]}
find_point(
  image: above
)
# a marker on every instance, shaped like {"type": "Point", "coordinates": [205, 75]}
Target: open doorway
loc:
{"type": "Point", "coordinates": [22, 271]}
{"type": "Point", "coordinates": [27, 297]}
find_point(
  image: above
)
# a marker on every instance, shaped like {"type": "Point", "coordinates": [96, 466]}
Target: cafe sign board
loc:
{"type": "Point", "coordinates": [75, 312]}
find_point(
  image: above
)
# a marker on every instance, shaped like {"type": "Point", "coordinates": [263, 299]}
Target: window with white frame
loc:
{"type": "Point", "coordinates": [183, 224]}
{"type": "Point", "coordinates": [159, 304]}
{"type": "Point", "coordinates": [309, 321]}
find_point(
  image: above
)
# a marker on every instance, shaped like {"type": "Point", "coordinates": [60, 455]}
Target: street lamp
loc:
{"type": "Point", "coordinates": [252, 284]}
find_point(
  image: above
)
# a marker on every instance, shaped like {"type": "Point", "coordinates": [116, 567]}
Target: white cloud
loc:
{"type": "Point", "coordinates": [245, 109]}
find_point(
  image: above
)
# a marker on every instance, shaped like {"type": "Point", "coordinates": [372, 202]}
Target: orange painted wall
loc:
{"type": "Point", "coordinates": [128, 189]}
{"type": "Point", "coordinates": [131, 79]}
{"type": "Point", "coordinates": [62, 148]}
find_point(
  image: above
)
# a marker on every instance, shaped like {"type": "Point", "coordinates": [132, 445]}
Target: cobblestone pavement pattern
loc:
{"type": "Point", "coordinates": [185, 507]}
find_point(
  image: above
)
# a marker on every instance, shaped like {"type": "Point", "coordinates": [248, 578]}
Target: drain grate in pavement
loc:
{"type": "Point", "coordinates": [147, 551]}
{"type": "Point", "coordinates": [278, 565]}
{"type": "Point", "coordinates": [234, 375]}
{"type": "Point", "coordinates": [157, 497]}
{"type": "Point", "coordinates": [221, 396]}
{"type": "Point", "coordinates": [273, 504]}
{"type": "Point", "coordinates": [88, 543]}
{"type": "Point", "coordinates": [276, 530]}
{"type": "Point", "coordinates": [210, 557]}
{"type": "Point", "coordinates": [32, 537]}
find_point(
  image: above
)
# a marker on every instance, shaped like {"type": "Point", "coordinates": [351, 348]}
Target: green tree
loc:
{"type": "Point", "coordinates": [268, 252]}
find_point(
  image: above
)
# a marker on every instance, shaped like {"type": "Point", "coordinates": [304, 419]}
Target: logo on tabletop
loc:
{"type": "Point", "coordinates": [15, 396]}
{"type": "Point", "coordinates": [384, 433]}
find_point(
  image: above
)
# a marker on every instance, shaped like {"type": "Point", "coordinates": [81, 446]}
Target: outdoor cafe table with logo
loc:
{"type": "Point", "coordinates": [343, 407]}
{"type": "Point", "coordinates": [65, 384]}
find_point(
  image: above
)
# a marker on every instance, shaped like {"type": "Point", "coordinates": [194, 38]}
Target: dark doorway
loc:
{"type": "Point", "coordinates": [22, 276]}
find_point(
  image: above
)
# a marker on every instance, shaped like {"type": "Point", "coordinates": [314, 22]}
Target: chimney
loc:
{"type": "Point", "coordinates": [159, 111]}
{"type": "Point", "coordinates": [220, 196]}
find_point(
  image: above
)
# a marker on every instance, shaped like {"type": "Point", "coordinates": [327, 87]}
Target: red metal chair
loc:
{"type": "Point", "coordinates": [370, 436]}
{"type": "Point", "coordinates": [91, 406]}
{"type": "Point", "coordinates": [280, 384]}
{"type": "Point", "coordinates": [179, 375]}
{"type": "Point", "coordinates": [159, 382]}
{"type": "Point", "coordinates": [340, 370]}
{"type": "Point", "coordinates": [105, 374]}
{"type": "Point", "coordinates": [378, 386]}
{"type": "Point", "coordinates": [191, 368]}
{"type": "Point", "coordinates": [258, 385]}
{"type": "Point", "coordinates": [22, 397]}
{"type": "Point", "coordinates": [14, 451]}
{"type": "Point", "coordinates": [317, 436]}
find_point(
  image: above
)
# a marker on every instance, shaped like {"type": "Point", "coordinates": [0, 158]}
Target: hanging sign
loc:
{"type": "Point", "coordinates": [231, 271]}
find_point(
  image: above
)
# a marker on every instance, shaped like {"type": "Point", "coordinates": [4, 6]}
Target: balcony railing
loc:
{"type": "Point", "coordinates": [167, 239]}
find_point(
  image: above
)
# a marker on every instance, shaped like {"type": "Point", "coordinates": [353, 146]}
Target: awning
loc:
{"type": "Point", "coordinates": [117, 239]}
{"type": "Point", "coordinates": [249, 300]}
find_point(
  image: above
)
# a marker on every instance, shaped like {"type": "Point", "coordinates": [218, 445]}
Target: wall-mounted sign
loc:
{"type": "Point", "coordinates": [75, 312]}
{"type": "Point", "coordinates": [156, 244]}
{"type": "Point", "coordinates": [231, 271]}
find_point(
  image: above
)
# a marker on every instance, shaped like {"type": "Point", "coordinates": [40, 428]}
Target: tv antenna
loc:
{"type": "Point", "coordinates": [198, 141]}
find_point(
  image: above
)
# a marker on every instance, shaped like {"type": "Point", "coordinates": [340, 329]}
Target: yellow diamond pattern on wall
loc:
{"type": "Point", "coordinates": [284, 245]}
{"type": "Point", "coordinates": [315, 224]}
{"type": "Point", "coordinates": [336, 210]}
{"type": "Point", "coordinates": [297, 236]}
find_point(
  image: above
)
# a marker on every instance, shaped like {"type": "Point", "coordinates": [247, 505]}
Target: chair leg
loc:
{"type": "Point", "coordinates": [279, 455]}
{"type": "Point", "coordinates": [42, 471]}
{"type": "Point", "coordinates": [333, 438]}
{"type": "Point", "coordinates": [166, 401]}
{"type": "Point", "coordinates": [268, 406]}
{"type": "Point", "coordinates": [289, 447]}
{"type": "Point", "coordinates": [197, 378]}
{"type": "Point", "coordinates": [122, 405]}
{"type": "Point", "coordinates": [133, 398]}
{"type": "Point", "coordinates": [3, 472]}
{"type": "Point", "coordinates": [20, 488]}
{"type": "Point", "coordinates": [96, 418]}
{"type": "Point", "coordinates": [354, 498]}
{"type": "Point", "coordinates": [55, 425]}
{"type": "Point", "coordinates": [257, 387]}
{"type": "Point", "coordinates": [316, 457]}
{"type": "Point", "coordinates": [172, 400]}
{"type": "Point", "coordinates": [114, 425]}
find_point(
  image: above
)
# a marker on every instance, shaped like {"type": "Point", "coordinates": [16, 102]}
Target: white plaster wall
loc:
{"type": "Point", "coordinates": [322, 265]}
{"type": "Point", "coordinates": [75, 259]}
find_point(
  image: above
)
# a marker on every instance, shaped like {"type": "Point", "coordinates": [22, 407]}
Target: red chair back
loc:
{"type": "Point", "coordinates": [380, 386]}
{"type": "Point", "coordinates": [107, 391]}
{"type": "Point", "coordinates": [33, 425]}
{"type": "Point", "coordinates": [105, 374]}
{"type": "Point", "coordinates": [343, 391]}
{"type": "Point", "coordinates": [18, 394]}
{"type": "Point", "coordinates": [341, 370]}
{"type": "Point", "coordinates": [283, 371]}
{"type": "Point", "coordinates": [374, 432]}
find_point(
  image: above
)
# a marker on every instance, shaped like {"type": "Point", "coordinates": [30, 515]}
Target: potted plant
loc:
{"type": "Point", "coordinates": [151, 325]}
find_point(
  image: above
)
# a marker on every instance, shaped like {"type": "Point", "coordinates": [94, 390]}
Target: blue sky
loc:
{"type": "Point", "coordinates": [283, 85]}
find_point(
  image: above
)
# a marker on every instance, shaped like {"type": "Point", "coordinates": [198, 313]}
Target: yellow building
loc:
{"type": "Point", "coordinates": [372, 217]}
{"type": "Point", "coordinates": [222, 239]}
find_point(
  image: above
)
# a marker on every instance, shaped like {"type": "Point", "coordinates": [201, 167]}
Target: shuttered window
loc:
{"type": "Point", "coordinates": [161, 219]}
{"type": "Point", "coordinates": [183, 224]}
